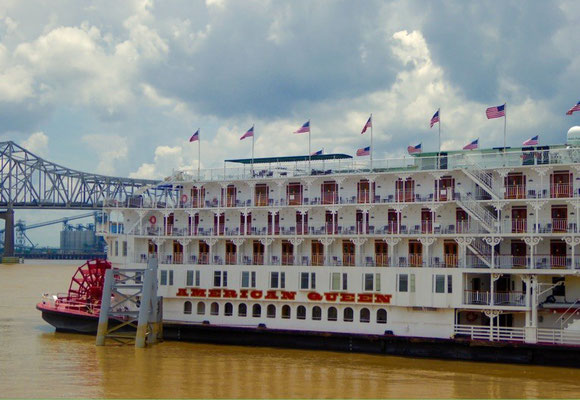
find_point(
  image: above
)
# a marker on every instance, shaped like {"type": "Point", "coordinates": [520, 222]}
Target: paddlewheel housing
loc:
{"type": "Point", "coordinates": [86, 285]}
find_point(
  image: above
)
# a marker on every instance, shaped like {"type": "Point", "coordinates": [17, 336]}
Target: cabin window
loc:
{"type": "Point", "coordinates": [256, 311]}
{"type": "Point", "coordinates": [228, 310]}
{"type": "Point", "coordinates": [277, 280]}
{"type": "Point", "coordinates": [242, 310]}
{"type": "Point", "coordinates": [286, 312]}
{"type": "Point", "coordinates": [439, 283]}
{"type": "Point", "coordinates": [248, 279]}
{"type": "Point", "coordinates": [214, 309]}
{"type": "Point", "coordinates": [316, 313]}
{"type": "Point", "coordinates": [339, 281]}
{"type": "Point", "coordinates": [163, 277]}
{"type": "Point", "coordinates": [365, 315]}
{"type": "Point", "coordinates": [271, 311]}
{"type": "Point", "coordinates": [403, 283]}
{"type": "Point", "coordinates": [187, 307]}
{"type": "Point", "coordinates": [307, 280]}
{"type": "Point", "coordinates": [348, 315]}
{"type": "Point", "coordinates": [201, 308]}
{"type": "Point", "coordinates": [301, 312]}
{"type": "Point", "coordinates": [371, 282]}
{"type": "Point", "coordinates": [381, 316]}
{"type": "Point", "coordinates": [220, 278]}
{"type": "Point", "coordinates": [192, 278]}
{"type": "Point", "coordinates": [332, 314]}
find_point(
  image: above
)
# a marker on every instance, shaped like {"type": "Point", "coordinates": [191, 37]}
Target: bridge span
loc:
{"type": "Point", "coordinates": [28, 181]}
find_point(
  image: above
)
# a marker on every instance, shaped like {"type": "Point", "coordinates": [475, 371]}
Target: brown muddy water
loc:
{"type": "Point", "coordinates": [35, 361]}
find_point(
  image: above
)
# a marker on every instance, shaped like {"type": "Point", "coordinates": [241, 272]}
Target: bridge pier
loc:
{"type": "Point", "coordinates": [8, 217]}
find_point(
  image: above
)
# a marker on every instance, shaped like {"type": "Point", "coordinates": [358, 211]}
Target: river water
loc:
{"type": "Point", "coordinates": [35, 361]}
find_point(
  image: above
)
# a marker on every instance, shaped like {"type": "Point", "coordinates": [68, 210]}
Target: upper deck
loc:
{"type": "Point", "coordinates": [341, 164]}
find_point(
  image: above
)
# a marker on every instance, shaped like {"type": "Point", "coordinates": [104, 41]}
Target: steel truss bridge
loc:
{"type": "Point", "coordinates": [27, 181]}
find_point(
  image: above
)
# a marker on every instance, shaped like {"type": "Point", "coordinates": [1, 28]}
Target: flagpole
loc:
{"type": "Point", "coordinates": [504, 132]}
{"type": "Point", "coordinates": [439, 155]}
{"type": "Point", "coordinates": [371, 142]}
{"type": "Point", "coordinates": [198, 155]}
{"type": "Point", "coordinates": [309, 150]}
{"type": "Point", "coordinates": [253, 134]}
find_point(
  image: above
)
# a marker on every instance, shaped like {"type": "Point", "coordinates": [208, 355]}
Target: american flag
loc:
{"type": "Point", "coordinates": [434, 119]}
{"type": "Point", "coordinates": [249, 133]}
{"type": "Point", "coordinates": [414, 149]}
{"type": "Point", "coordinates": [575, 108]}
{"type": "Point", "coordinates": [532, 141]}
{"type": "Point", "coordinates": [305, 128]}
{"type": "Point", "coordinates": [365, 151]}
{"type": "Point", "coordinates": [195, 136]}
{"type": "Point", "coordinates": [495, 112]}
{"type": "Point", "coordinates": [368, 125]}
{"type": "Point", "coordinates": [472, 145]}
{"type": "Point", "coordinates": [317, 153]}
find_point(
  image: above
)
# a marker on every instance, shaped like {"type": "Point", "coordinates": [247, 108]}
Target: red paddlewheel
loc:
{"type": "Point", "coordinates": [86, 285]}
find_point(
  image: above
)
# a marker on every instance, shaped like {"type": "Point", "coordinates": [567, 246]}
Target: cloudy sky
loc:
{"type": "Point", "coordinates": [119, 87]}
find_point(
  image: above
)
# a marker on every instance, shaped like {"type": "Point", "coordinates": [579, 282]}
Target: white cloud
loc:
{"type": "Point", "coordinates": [166, 160]}
{"type": "Point", "coordinates": [37, 143]}
{"type": "Point", "coordinates": [109, 148]}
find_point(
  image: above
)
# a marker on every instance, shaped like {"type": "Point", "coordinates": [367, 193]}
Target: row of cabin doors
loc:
{"type": "Point", "coordinates": [317, 252]}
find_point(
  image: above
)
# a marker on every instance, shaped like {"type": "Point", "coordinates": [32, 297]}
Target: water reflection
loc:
{"type": "Point", "coordinates": [37, 362]}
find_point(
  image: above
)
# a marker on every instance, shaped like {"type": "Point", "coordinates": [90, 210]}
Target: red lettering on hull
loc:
{"type": "Point", "coordinates": [284, 295]}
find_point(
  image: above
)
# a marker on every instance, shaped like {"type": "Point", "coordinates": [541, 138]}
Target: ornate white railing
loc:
{"type": "Point", "coordinates": [479, 332]}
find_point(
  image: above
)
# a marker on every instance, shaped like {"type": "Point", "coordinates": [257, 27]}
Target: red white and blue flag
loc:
{"type": "Point", "coordinates": [532, 141]}
{"type": "Point", "coordinates": [414, 149]}
{"type": "Point", "coordinates": [368, 125]}
{"type": "Point", "coordinates": [471, 146]}
{"type": "Point", "coordinates": [365, 151]}
{"type": "Point", "coordinates": [249, 133]}
{"type": "Point", "coordinates": [195, 136]}
{"type": "Point", "coordinates": [434, 119]}
{"type": "Point", "coordinates": [575, 108]}
{"type": "Point", "coordinates": [305, 128]}
{"type": "Point", "coordinates": [495, 112]}
{"type": "Point", "coordinates": [318, 153]}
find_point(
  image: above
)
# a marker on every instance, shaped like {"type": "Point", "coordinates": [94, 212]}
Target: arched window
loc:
{"type": "Point", "coordinates": [242, 310]}
{"type": "Point", "coordinates": [381, 316]}
{"type": "Point", "coordinates": [365, 315]}
{"type": "Point", "coordinates": [256, 311]}
{"type": "Point", "coordinates": [348, 314]}
{"type": "Point", "coordinates": [301, 312]}
{"type": "Point", "coordinates": [332, 314]}
{"type": "Point", "coordinates": [187, 307]}
{"type": "Point", "coordinates": [316, 313]}
{"type": "Point", "coordinates": [271, 311]}
{"type": "Point", "coordinates": [228, 310]}
{"type": "Point", "coordinates": [286, 311]}
{"type": "Point", "coordinates": [214, 309]}
{"type": "Point", "coordinates": [201, 308]}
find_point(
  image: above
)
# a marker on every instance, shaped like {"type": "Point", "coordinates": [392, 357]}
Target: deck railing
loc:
{"type": "Point", "coordinates": [480, 332]}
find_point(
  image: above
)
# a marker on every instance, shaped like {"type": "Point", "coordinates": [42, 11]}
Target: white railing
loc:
{"type": "Point", "coordinates": [480, 332]}
{"type": "Point", "coordinates": [475, 297]}
{"type": "Point", "coordinates": [558, 336]}
{"type": "Point", "coordinates": [509, 298]}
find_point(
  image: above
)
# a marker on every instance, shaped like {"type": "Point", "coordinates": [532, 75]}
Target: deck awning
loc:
{"type": "Point", "coordinates": [287, 159]}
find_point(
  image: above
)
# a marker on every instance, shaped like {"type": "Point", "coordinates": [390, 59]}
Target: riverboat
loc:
{"type": "Point", "coordinates": [466, 254]}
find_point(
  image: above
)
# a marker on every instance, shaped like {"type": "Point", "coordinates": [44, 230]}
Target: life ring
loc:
{"type": "Point", "coordinates": [183, 198]}
{"type": "Point", "coordinates": [152, 219]}
{"type": "Point", "coordinates": [471, 316]}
